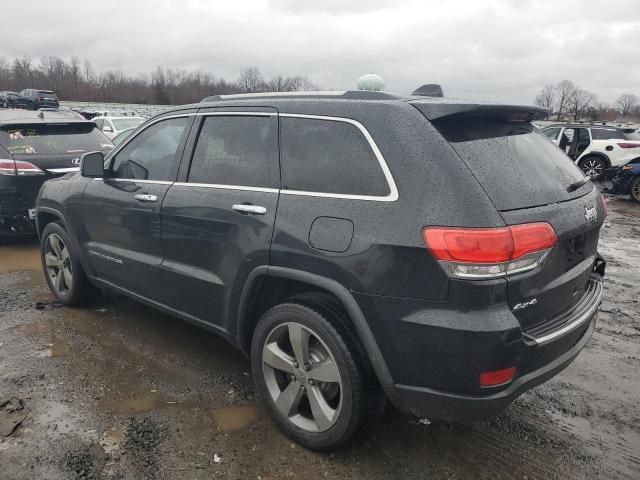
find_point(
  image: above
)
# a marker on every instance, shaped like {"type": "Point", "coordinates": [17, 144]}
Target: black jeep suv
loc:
{"type": "Point", "coordinates": [357, 246]}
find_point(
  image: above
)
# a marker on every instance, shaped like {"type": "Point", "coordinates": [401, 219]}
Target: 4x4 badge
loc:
{"type": "Point", "coordinates": [590, 213]}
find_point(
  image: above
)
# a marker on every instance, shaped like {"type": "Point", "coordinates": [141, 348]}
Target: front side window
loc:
{"type": "Point", "coordinates": [236, 150]}
{"type": "Point", "coordinates": [328, 156]}
{"type": "Point", "coordinates": [153, 154]}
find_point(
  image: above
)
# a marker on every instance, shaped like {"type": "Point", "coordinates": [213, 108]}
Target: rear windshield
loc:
{"type": "Point", "coordinates": [631, 135]}
{"type": "Point", "coordinates": [607, 134]}
{"type": "Point", "coordinates": [124, 123]}
{"type": "Point", "coordinates": [52, 139]}
{"type": "Point", "coordinates": [517, 166]}
{"type": "Point", "coordinates": [44, 94]}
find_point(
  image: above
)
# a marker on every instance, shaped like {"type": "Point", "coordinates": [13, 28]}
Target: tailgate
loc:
{"type": "Point", "coordinates": [563, 279]}
{"type": "Point", "coordinates": [530, 180]}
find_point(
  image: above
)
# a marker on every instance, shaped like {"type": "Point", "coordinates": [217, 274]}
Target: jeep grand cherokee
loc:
{"type": "Point", "coordinates": [358, 246]}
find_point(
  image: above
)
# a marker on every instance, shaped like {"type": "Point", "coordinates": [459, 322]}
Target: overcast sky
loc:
{"type": "Point", "coordinates": [494, 49]}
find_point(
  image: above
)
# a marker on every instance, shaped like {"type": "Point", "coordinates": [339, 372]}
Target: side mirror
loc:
{"type": "Point", "coordinates": [92, 165]}
{"type": "Point", "coordinates": [107, 128]}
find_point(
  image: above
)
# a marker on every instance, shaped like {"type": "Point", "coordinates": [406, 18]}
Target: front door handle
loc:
{"type": "Point", "coordinates": [249, 209]}
{"type": "Point", "coordinates": [145, 197]}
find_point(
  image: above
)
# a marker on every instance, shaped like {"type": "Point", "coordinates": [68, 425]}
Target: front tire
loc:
{"type": "Point", "coordinates": [62, 269]}
{"type": "Point", "coordinates": [634, 190]}
{"type": "Point", "coordinates": [308, 377]}
{"type": "Point", "coordinates": [594, 167]}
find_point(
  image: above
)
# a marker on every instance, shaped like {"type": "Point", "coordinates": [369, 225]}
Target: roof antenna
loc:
{"type": "Point", "coordinates": [371, 82]}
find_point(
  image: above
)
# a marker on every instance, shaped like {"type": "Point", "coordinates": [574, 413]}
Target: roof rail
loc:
{"type": "Point", "coordinates": [348, 94]}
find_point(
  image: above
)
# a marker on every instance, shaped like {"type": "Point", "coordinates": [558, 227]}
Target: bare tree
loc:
{"type": "Point", "coordinates": [75, 79]}
{"type": "Point", "coordinates": [564, 90]}
{"type": "Point", "coordinates": [579, 102]}
{"type": "Point", "coordinates": [626, 103]}
{"type": "Point", "coordinates": [251, 80]}
{"type": "Point", "coordinates": [546, 98]}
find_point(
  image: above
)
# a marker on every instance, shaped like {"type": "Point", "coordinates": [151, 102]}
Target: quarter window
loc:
{"type": "Point", "coordinates": [551, 133]}
{"type": "Point", "coordinates": [153, 154]}
{"type": "Point", "coordinates": [236, 150]}
{"type": "Point", "coordinates": [328, 156]}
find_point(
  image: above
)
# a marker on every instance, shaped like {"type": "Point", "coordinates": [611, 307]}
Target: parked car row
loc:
{"type": "Point", "coordinates": [29, 99]}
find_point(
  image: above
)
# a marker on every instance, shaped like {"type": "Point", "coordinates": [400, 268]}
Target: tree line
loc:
{"type": "Point", "coordinates": [565, 100]}
{"type": "Point", "coordinates": [76, 79]}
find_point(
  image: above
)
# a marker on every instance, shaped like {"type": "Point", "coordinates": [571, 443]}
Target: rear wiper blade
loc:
{"type": "Point", "coordinates": [576, 185]}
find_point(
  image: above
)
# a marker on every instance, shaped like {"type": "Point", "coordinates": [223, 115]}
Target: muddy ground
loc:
{"type": "Point", "coordinates": [121, 391]}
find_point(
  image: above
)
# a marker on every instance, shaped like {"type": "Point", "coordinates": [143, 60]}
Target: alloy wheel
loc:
{"type": "Point", "coordinates": [635, 191]}
{"type": "Point", "coordinates": [302, 377]}
{"type": "Point", "coordinates": [58, 262]}
{"type": "Point", "coordinates": [593, 168]}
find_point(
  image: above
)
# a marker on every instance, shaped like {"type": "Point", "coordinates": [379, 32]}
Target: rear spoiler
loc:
{"type": "Point", "coordinates": [511, 113]}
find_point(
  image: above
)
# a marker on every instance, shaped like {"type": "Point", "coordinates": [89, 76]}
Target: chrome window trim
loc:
{"type": "Point", "coordinates": [63, 170]}
{"type": "Point", "coordinates": [228, 187]}
{"type": "Point", "coordinates": [235, 114]}
{"type": "Point", "coordinates": [393, 189]}
{"type": "Point", "coordinates": [133, 180]}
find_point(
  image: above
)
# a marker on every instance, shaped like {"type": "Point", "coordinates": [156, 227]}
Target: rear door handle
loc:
{"type": "Point", "coordinates": [249, 209]}
{"type": "Point", "coordinates": [145, 197]}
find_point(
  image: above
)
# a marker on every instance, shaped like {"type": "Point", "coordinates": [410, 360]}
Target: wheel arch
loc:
{"type": "Point", "coordinates": [246, 321]}
{"type": "Point", "coordinates": [46, 215]}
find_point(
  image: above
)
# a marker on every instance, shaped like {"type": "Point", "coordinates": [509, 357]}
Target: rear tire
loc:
{"type": "Point", "coordinates": [593, 166]}
{"type": "Point", "coordinates": [325, 387]}
{"type": "Point", "coordinates": [634, 190]}
{"type": "Point", "coordinates": [62, 269]}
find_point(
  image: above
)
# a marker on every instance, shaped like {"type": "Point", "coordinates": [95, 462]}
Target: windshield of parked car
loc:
{"type": "Point", "coordinates": [52, 139]}
{"type": "Point", "coordinates": [124, 123]}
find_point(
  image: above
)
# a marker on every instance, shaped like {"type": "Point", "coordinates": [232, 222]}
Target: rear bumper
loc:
{"type": "Point", "coordinates": [436, 355]}
{"type": "Point", "coordinates": [425, 402]}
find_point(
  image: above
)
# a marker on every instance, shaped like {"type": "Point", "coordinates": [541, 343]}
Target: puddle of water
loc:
{"type": "Point", "coordinates": [112, 439]}
{"type": "Point", "coordinates": [233, 419]}
{"type": "Point", "coordinates": [29, 329]}
{"type": "Point", "coordinates": [136, 402]}
{"type": "Point", "coordinates": [56, 349]}
{"type": "Point", "coordinates": [19, 257]}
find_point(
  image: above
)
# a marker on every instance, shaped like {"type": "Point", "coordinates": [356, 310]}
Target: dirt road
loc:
{"type": "Point", "coordinates": [121, 391]}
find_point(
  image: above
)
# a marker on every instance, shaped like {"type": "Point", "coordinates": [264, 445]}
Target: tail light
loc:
{"type": "Point", "coordinates": [629, 145]}
{"type": "Point", "coordinates": [19, 168]}
{"type": "Point", "coordinates": [604, 204]}
{"type": "Point", "coordinates": [478, 253]}
{"type": "Point", "coordinates": [41, 99]}
{"type": "Point", "coordinates": [496, 378]}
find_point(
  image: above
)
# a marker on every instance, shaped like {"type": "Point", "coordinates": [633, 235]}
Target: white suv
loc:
{"type": "Point", "coordinates": [112, 126]}
{"type": "Point", "coordinates": [595, 147]}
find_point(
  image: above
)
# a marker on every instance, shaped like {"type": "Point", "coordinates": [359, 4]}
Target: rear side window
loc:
{"type": "Point", "coordinates": [153, 154]}
{"type": "Point", "coordinates": [517, 167]}
{"type": "Point", "coordinates": [607, 134]}
{"type": "Point", "coordinates": [52, 139]}
{"type": "Point", "coordinates": [551, 133]}
{"type": "Point", "coordinates": [327, 156]}
{"type": "Point", "coordinates": [237, 151]}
